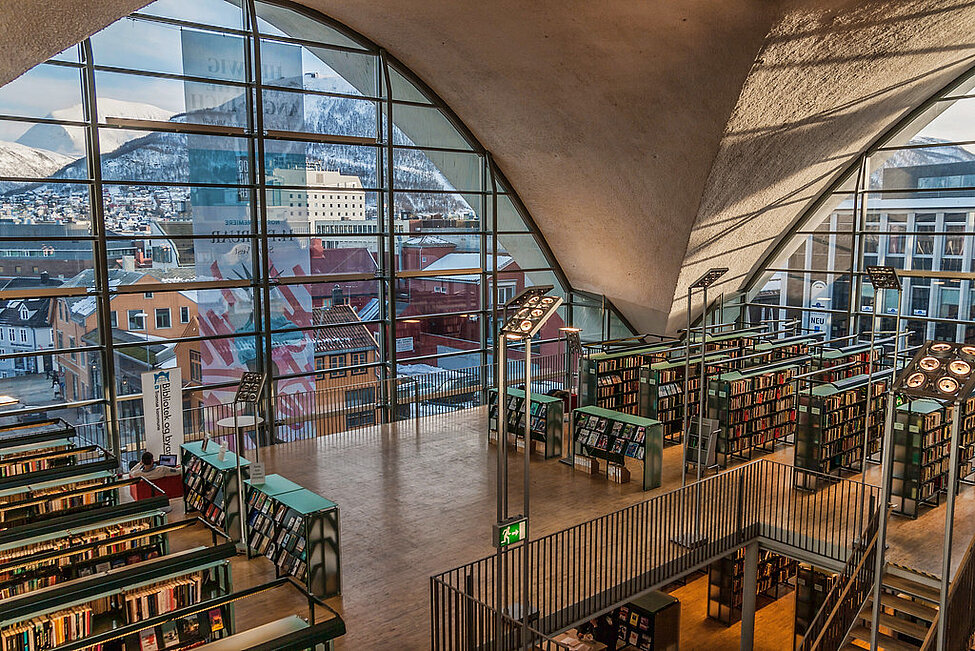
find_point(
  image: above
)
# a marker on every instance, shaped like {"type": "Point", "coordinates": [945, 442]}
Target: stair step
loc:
{"type": "Point", "coordinates": [904, 605]}
{"type": "Point", "coordinates": [884, 642]}
{"type": "Point", "coordinates": [913, 588]}
{"type": "Point", "coordinates": [917, 631]}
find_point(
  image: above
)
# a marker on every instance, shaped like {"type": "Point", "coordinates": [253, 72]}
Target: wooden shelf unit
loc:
{"type": "Point", "coordinates": [922, 436]}
{"type": "Point", "coordinates": [614, 437]}
{"type": "Point", "coordinates": [210, 485]}
{"type": "Point", "coordinates": [777, 350]}
{"type": "Point", "coordinates": [547, 419]}
{"type": "Point", "coordinates": [755, 408]}
{"type": "Point", "coordinates": [858, 355]}
{"type": "Point", "coordinates": [298, 531]}
{"type": "Point", "coordinates": [832, 421]}
{"type": "Point", "coordinates": [726, 580]}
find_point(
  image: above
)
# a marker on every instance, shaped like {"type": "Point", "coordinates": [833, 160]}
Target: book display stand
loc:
{"type": "Point", "coordinates": [614, 437]}
{"type": "Point", "coordinates": [547, 419]}
{"type": "Point", "coordinates": [210, 485]}
{"type": "Point", "coordinates": [298, 531]}
{"type": "Point", "coordinates": [650, 622]}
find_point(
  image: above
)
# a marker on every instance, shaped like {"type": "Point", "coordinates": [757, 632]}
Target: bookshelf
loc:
{"type": "Point", "coordinates": [615, 436]}
{"type": "Point", "coordinates": [832, 420]}
{"type": "Point", "coordinates": [210, 485]}
{"type": "Point", "coordinates": [662, 392]}
{"type": "Point", "coordinates": [812, 586]}
{"type": "Point", "coordinates": [754, 408]}
{"type": "Point", "coordinates": [547, 419]}
{"type": "Point", "coordinates": [611, 380]}
{"type": "Point", "coordinates": [858, 355]}
{"type": "Point", "coordinates": [922, 437]}
{"type": "Point", "coordinates": [36, 432]}
{"type": "Point", "coordinates": [84, 553]}
{"type": "Point", "coordinates": [193, 625]}
{"type": "Point", "coordinates": [86, 460]}
{"type": "Point", "coordinates": [297, 530]}
{"type": "Point", "coordinates": [71, 612]}
{"type": "Point", "coordinates": [726, 579]}
{"type": "Point", "coordinates": [650, 622]}
{"type": "Point", "coordinates": [777, 350]}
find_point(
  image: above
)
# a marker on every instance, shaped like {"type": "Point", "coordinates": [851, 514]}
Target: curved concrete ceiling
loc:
{"type": "Point", "coordinates": [649, 140]}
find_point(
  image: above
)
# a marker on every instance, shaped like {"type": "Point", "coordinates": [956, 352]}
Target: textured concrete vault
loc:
{"type": "Point", "coordinates": [650, 140]}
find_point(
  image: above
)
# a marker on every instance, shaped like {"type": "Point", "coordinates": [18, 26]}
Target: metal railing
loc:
{"type": "Point", "coordinates": [577, 573]}
{"type": "Point", "coordinates": [353, 407]}
{"type": "Point", "coordinates": [959, 624]}
{"type": "Point", "coordinates": [846, 596]}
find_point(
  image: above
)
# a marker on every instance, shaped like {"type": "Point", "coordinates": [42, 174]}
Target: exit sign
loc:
{"type": "Point", "coordinates": [511, 531]}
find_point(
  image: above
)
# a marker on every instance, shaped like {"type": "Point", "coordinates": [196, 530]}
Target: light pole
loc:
{"type": "Point", "coordinates": [573, 349]}
{"type": "Point", "coordinates": [531, 310]}
{"type": "Point", "coordinates": [883, 279]}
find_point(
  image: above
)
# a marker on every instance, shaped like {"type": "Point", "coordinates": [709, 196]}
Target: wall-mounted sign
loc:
{"type": "Point", "coordinates": [404, 344]}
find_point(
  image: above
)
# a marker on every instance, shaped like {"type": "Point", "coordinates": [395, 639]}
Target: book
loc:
{"type": "Point", "coordinates": [147, 640]}
{"type": "Point", "coordinates": [170, 636]}
{"type": "Point", "coordinates": [216, 620]}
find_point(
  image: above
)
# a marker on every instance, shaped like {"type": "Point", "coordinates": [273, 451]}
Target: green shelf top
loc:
{"type": "Point", "coordinates": [731, 376]}
{"type": "Point", "coordinates": [536, 397]}
{"type": "Point", "coordinates": [54, 483]}
{"type": "Point", "coordinates": [304, 501]}
{"type": "Point", "coordinates": [737, 334]}
{"type": "Point", "coordinates": [274, 485]}
{"type": "Point", "coordinates": [599, 357]}
{"type": "Point", "coordinates": [654, 602]}
{"type": "Point", "coordinates": [840, 353]}
{"type": "Point", "coordinates": [618, 415]}
{"type": "Point", "coordinates": [28, 447]}
{"type": "Point", "coordinates": [211, 455]}
{"type": "Point", "coordinates": [716, 356]}
{"type": "Point", "coordinates": [921, 406]}
{"type": "Point", "coordinates": [781, 343]}
{"type": "Point", "coordinates": [253, 637]}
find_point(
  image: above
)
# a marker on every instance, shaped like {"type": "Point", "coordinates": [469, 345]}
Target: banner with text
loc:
{"type": "Point", "coordinates": [162, 404]}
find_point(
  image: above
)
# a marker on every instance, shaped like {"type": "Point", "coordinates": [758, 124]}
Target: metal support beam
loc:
{"type": "Point", "coordinates": [949, 525]}
{"type": "Point", "coordinates": [749, 589]}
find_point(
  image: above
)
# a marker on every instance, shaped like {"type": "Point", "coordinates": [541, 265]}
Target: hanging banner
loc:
{"type": "Point", "coordinates": [162, 404]}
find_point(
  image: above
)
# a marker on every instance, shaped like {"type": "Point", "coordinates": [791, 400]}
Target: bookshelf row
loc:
{"type": "Point", "coordinates": [547, 416]}
{"type": "Point", "coordinates": [833, 420]}
{"type": "Point", "coordinates": [615, 437]}
{"type": "Point", "coordinates": [726, 578]}
{"type": "Point", "coordinates": [210, 485]}
{"type": "Point", "coordinates": [921, 437]}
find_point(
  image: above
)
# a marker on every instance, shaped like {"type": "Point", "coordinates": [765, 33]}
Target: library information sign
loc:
{"type": "Point", "coordinates": [162, 404]}
{"type": "Point", "coordinates": [510, 531]}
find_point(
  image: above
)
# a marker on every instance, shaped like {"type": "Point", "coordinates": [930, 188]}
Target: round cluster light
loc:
{"type": "Point", "coordinates": [940, 347]}
{"type": "Point", "coordinates": [916, 380]}
{"type": "Point", "coordinates": [960, 367]}
{"type": "Point", "coordinates": [525, 326]}
{"type": "Point", "coordinates": [947, 385]}
{"type": "Point", "coordinates": [968, 350]}
{"type": "Point", "coordinates": [929, 363]}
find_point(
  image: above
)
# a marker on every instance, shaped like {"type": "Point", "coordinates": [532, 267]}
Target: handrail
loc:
{"type": "Point", "coordinates": [960, 625]}
{"type": "Point", "coordinates": [844, 583]}
{"type": "Point", "coordinates": [592, 567]}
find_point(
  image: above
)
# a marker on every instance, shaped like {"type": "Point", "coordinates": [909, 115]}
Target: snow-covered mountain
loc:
{"type": "Point", "coordinates": [72, 141]}
{"type": "Point", "coordinates": [20, 160]}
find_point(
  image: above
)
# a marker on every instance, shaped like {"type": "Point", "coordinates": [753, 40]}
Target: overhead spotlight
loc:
{"type": "Point", "coordinates": [532, 309]}
{"type": "Point", "coordinates": [709, 278]}
{"type": "Point", "coordinates": [883, 277]}
{"type": "Point", "coordinates": [940, 370]}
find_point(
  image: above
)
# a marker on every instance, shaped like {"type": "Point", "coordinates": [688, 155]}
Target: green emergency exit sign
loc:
{"type": "Point", "coordinates": [511, 531]}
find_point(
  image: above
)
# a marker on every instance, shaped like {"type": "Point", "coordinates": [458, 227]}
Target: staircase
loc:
{"type": "Point", "coordinates": [908, 605]}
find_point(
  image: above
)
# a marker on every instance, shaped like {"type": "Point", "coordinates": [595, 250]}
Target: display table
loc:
{"type": "Point", "coordinates": [575, 644]}
{"type": "Point", "coordinates": [210, 485]}
{"type": "Point", "coordinates": [614, 436]}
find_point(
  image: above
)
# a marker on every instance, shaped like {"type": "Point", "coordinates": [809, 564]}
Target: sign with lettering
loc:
{"type": "Point", "coordinates": [162, 404]}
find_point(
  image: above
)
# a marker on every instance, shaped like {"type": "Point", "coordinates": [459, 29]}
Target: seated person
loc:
{"type": "Point", "coordinates": [149, 469]}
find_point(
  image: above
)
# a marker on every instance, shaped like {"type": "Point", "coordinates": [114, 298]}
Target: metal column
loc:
{"type": "Point", "coordinates": [748, 598]}
{"type": "Point", "coordinates": [949, 524]}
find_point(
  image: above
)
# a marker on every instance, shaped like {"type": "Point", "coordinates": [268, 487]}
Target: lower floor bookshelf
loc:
{"type": "Point", "coordinates": [726, 578]}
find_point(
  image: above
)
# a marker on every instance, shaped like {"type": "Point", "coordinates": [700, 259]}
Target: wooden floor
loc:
{"type": "Point", "coordinates": [414, 504]}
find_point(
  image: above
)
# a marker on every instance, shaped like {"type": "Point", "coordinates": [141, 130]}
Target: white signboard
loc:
{"type": "Point", "coordinates": [257, 473]}
{"type": "Point", "coordinates": [819, 298]}
{"type": "Point", "coordinates": [162, 404]}
{"type": "Point", "coordinates": [404, 344]}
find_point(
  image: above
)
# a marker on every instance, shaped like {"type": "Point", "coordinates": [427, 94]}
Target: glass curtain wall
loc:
{"type": "Point", "coordinates": [908, 203]}
{"type": "Point", "coordinates": [217, 186]}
